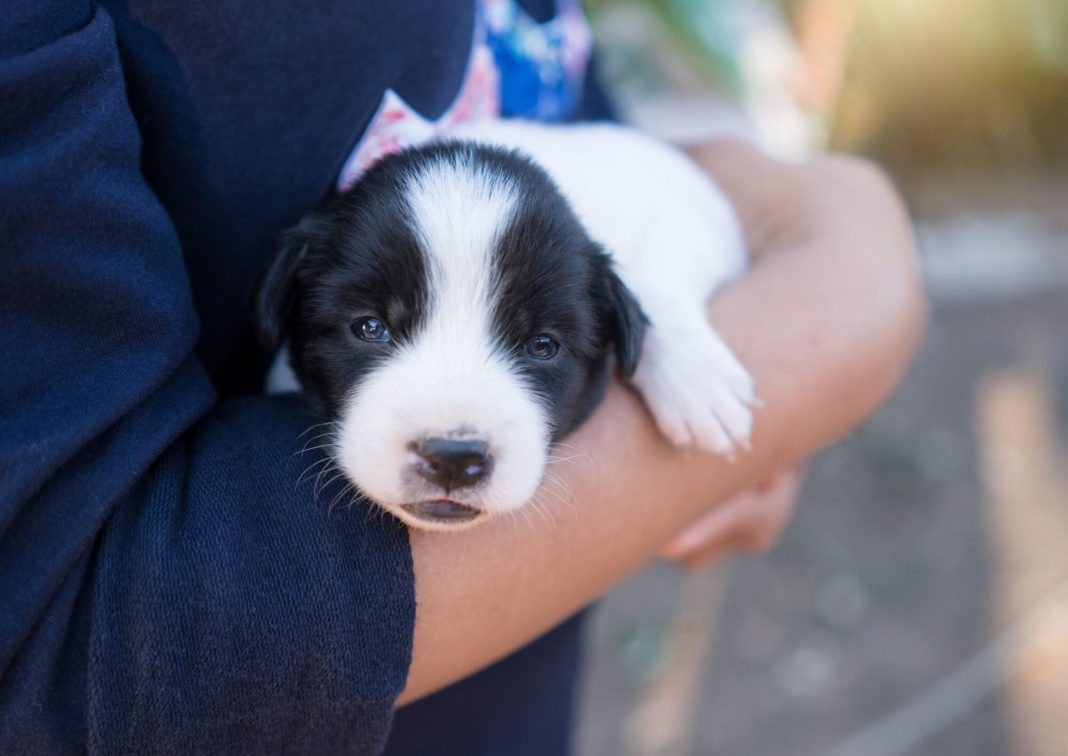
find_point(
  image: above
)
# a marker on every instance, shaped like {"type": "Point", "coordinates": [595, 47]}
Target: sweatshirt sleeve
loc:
{"type": "Point", "coordinates": [168, 583]}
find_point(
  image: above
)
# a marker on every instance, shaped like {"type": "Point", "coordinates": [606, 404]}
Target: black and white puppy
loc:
{"type": "Point", "coordinates": [455, 312]}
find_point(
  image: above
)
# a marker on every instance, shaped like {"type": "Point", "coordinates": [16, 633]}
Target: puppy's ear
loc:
{"type": "Point", "coordinates": [275, 294]}
{"type": "Point", "coordinates": [626, 321]}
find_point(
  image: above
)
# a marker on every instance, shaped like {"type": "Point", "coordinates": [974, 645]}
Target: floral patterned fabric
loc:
{"type": "Point", "coordinates": [518, 68]}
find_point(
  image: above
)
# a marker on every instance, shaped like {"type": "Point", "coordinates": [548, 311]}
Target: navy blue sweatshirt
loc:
{"type": "Point", "coordinates": [166, 583]}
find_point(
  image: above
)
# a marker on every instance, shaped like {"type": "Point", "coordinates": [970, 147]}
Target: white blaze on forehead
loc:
{"type": "Point", "coordinates": [452, 376]}
{"type": "Point", "coordinates": [459, 210]}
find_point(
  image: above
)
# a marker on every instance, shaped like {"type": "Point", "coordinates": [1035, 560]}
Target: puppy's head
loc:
{"type": "Point", "coordinates": [451, 314]}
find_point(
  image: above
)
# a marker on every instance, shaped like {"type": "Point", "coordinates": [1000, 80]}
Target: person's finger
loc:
{"type": "Point", "coordinates": [751, 521]}
{"type": "Point", "coordinates": [716, 525]}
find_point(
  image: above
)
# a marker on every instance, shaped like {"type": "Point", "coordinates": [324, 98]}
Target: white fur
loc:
{"type": "Point", "coordinates": [676, 240]}
{"type": "Point", "coordinates": [451, 380]}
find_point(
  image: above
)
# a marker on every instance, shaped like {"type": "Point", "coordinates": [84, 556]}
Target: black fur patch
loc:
{"type": "Point", "coordinates": [556, 280]}
{"type": "Point", "coordinates": [359, 258]}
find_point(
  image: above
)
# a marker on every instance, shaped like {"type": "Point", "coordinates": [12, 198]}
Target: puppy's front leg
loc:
{"type": "Point", "coordinates": [697, 390]}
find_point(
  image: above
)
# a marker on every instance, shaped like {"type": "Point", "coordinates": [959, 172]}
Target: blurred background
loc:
{"type": "Point", "coordinates": [918, 604]}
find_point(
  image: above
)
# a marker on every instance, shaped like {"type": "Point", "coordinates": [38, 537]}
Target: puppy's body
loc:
{"type": "Point", "coordinates": [454, 312]}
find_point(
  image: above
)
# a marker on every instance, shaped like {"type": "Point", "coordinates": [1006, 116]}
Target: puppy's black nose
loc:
{"type": "Point", "coordinates": [452, 463]}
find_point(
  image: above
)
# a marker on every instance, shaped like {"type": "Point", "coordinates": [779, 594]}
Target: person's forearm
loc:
{"type": "Point", "coordinates": [823, 353]}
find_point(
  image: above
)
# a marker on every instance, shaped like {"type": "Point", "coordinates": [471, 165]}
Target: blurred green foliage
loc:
{"type": "Point", "coordinates": [699, 31]}
{"type": "Point", "coordinates": [923, 83]}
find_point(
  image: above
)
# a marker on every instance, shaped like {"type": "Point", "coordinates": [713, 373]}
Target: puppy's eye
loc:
{"type": "Point", "coordinates": [370, 329]}
{"type": "Point", "coordinates": [542, 347]}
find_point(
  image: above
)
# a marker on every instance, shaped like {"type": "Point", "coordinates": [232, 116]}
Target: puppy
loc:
{"type": "Point", "coordinates": [456, 312]}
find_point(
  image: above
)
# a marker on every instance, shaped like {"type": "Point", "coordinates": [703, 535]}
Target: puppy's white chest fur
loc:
{"type": "Point", "coordinates": [675, 240]}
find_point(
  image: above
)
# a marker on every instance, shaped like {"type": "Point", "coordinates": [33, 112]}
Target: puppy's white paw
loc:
{"type": "Point", "coordinates": [698, 392]}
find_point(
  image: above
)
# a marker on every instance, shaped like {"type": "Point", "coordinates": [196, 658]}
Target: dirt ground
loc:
{"type": "Point", "coordinates": [919, 602]}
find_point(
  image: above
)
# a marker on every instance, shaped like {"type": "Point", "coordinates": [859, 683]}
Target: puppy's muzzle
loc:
{"type": "Point", "coordinates": [452, 464]}
{"type": "Point", "coordinates": [449, 464]}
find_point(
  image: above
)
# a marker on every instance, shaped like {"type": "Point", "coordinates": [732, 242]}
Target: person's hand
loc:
{"type": "Point", "coordinates": [750, 521]}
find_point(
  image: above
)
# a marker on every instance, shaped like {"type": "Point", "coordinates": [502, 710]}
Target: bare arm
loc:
{"type": "Point", "coordinates": [826, 322]}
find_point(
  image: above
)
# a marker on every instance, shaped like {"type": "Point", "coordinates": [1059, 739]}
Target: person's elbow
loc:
{"type": "Point", "coordinates": [879, 256]}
